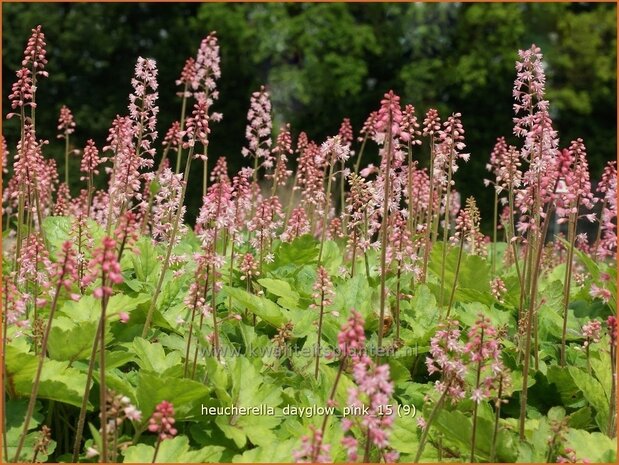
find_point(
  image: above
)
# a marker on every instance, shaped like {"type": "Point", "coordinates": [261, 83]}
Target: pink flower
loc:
{"type": "Point", "coordinates": [592, 332]}
{"type": "Point", "coordinates": [34, 53]}
{"type": "Point", "coordinates": [63, 199]}
{"type": "Point", "coordinates": [323, 289]}
{"type": "Point", "coordinates": [312, 449]}
{"type": "Point", "coordinates": [162, 421]}
{"type": "Point", "coordinates": [431, 123]}
{"type": "Point", "coordinates": [389, 113]}
{"type": "Point", "coordinates": [123, 317]}
{"type": "Point", "coordinates": [333, 150]}
{"type": "Point", "coordinates": [351, 338]}
{"type": "Point", "coordinates": [368, 170]}
{"type": "Point", "coordinates": [369, 127]}
{"type": "Point", "coordinates": [217, 212]}
{"type": "Point", "coordinates": [104, 264]}
{"type": "Point", "coordinates": [132, 413]}
{"type": "Point", "coordinates": [248, 267]}
{"type": "Point", "coordinates": [197, 126]}
{"type": "Point", "coordinates": [36, 268]}
{"type": "Point", "coordinates": [173, 137]}
{"type": "Point", "coordinates": [90, 159]}
{"type": "Point", "coordinates": [600, 293]}
{"type": "Point", "coordinates": [258, 131]}
{"type": "Point", "coordinates": [346, 132]}
{"type": "Point", "coordinates": [220, 171]}
{"type": "Point", "coordinates": [283, 148]}
{"type": "Point", "coordinates": [142, 109]}
{"type": "Point", "coordinates": [497, 288]}
{"type": "Point", "coordinates": [207, 66]}
{"type": "Point", "coordinates": [265, 222]}
{"type": "Point", "coordinates": [298, 224]}
{"type": "Point", "coordinates": [22, 91]}
{"type": "Point", "coordinates": [125, 184]}
{"type": "Point", "coordinates": [187, 77]}
{"type": "Point", "coordinates": [166, 205]}
{"type": "Point", "coordinates": [410, 126]}
{"type": "Point", "coordinates": [66, 123]}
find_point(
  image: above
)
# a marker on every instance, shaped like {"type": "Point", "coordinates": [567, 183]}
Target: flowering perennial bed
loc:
{"type": "Point", "coordinates": [339, 311]}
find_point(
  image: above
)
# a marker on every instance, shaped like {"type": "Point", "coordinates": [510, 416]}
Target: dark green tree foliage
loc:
{"type": "Point", "coordinates": [323, 62]}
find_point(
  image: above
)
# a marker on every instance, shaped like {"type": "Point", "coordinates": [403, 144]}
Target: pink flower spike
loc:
{"type": "Point", "coordinates": [123, 317]}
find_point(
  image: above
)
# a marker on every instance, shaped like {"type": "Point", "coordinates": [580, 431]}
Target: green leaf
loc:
{"type": "Point", "coordinates": [278, 452]}
{"type": "Point", "coordinates": [152, 357]}
{"type": "Point", "coordinates": [594, 447]}
{"type": "Point", "coordinates": [70, 341]}
{"type": "Point", "coordinates": [146, 263]}
{"type": "Point", "coordinates": [58, 381]}
{"type": "Point", "coordinates": [423, 315]}
{"type": "Point", "coordinates": [353, 293]}
{"type": "Point", "coordinates": [266, 309]}
{"type": "Point", "coordinates": [404, 435]}
{"type": "Point", "coordinates": [15, 414]}
{"type": "Point", "coordinates": [458, 427]}
{"type": "Point", "coordinates": [282, 289]}
{"type": "Point", "coordinates": [302, 251]}
{"type": "Point", "coordinates": [174, 450]}
{"type": "Point", "coordinates": [249, 390]}
{"type": "Point", "coordinates": [186, 395]}
{"type": "Point", "coordinates": [594, 394]}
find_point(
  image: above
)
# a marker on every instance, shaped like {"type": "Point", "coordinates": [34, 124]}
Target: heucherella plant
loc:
{"type": "Point", "coordinates": [307, 288]}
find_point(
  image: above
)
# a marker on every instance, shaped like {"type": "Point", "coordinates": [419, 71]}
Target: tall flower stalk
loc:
{"type": "Point", "coordinates": [574, 175]}
{"type": "Point", "coordinates": [323, 295]}
{"type": "Point", "coordinates": [448, 151]}
{"type": "Point", "coordinates": [536, 197]}
{"type": "Point", "coordinates": [332, 152]}
{"type": "Point", "coordinates": [258, 132]}
{"type": "Point", "coordinates": [66, 126]}
{"type": "Point", "coordinates": [197, 132]}
{"type": "Point", "coordinates": [65, 275]}
{"type": "Point", "coordinates": [105, 269]}
{"type": "Point", "coordinates": [388, 121]}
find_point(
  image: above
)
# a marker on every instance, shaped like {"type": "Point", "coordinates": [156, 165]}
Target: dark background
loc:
{"type": "Point", "coordinates": [324, 62]}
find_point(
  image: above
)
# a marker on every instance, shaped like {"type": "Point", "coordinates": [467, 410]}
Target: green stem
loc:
{"type": "Point", "coordinates": [455, 284]}
{"type": "Point", "coordinates": [567, 282]}
{"type": "Point", "coordinates": [358, 162]}
{"type": "Point", "coordinates": [426, 429]}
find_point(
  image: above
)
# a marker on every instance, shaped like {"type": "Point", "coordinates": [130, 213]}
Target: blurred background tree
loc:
{"type": "Point", "coordinates": [323, 62]}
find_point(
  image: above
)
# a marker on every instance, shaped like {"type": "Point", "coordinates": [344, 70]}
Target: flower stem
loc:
{"type": "Point", "coordinates": [384, 233]}
{"type": "Point", "coordinates": [166, 262]}
{"type": "Point", "coordinates": [37, 377]}
{"type": "Point", "coordinates": [455, 284]}
{"type": "Point", "coordinates": [477, 379]}
{"type": "Point", "coordinates": [325, 215]}
{"type": "Point", "coordinates": [426, 429]}
{"type": "Point", "coordinates": [322, 299]}
{"type": "Point", "coordinates": [567, 282]}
